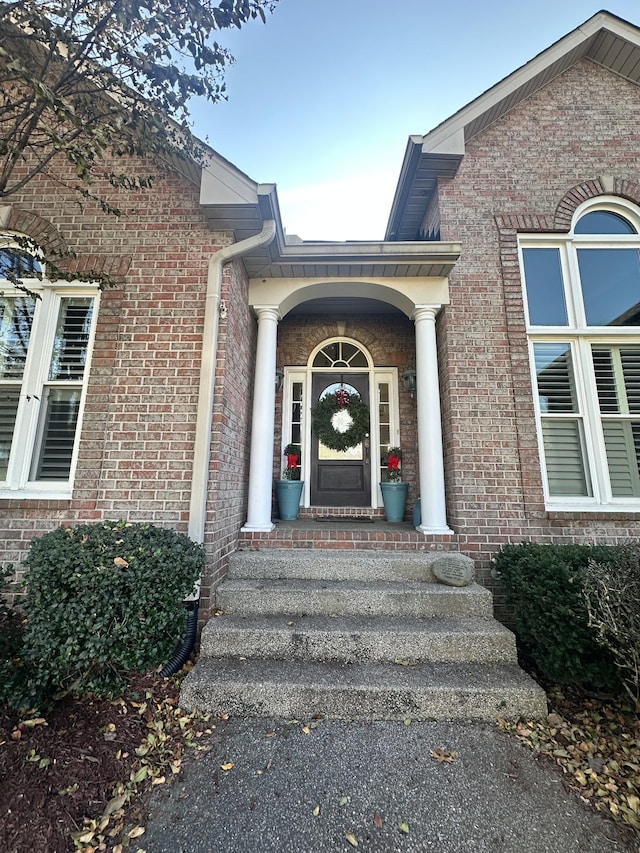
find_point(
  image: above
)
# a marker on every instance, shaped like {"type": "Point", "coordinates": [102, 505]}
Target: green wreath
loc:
{"type": "Point", "coordinates": [324, 423]}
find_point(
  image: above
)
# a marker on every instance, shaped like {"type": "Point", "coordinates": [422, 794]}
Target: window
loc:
{"type": "Point", "coordinates": [582, 296]}
{"type": "Point", "coordinates": [45, 340]}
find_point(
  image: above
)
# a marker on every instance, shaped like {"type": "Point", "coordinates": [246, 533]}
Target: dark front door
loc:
{"type": "Point", "coordinates": [340, 478]}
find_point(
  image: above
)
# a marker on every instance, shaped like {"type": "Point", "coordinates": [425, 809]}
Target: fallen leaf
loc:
{"type": "Point", "coordinates": [403, 827]}
{"type": "Point", "coordinates": [115, 804]}
{"type": "Point", "coordinates": [118, 561]}
{"type": "Point", "coordinates": [306, 730]}
{"type": "Point", "coordinates": [226, 767]}
{"type": "Point", "coordinates": [37, 721]}
{"type": "Point", "coordinates": [140, 774]}
{"type": "Point", "coordinates": [353, 841]}
{"type": "Point", "coordinates": [407, 721]}
{"type": "Point", "coordinates": [136, 832]}
{"type": "Point", "coordinates": [316, 811]}
{"type": "Point", "coordinates": [377, 820]}
{"type": "Point", "coordinates": [442, 755]}
{"type": "Point", "coordinates": [344, 801]}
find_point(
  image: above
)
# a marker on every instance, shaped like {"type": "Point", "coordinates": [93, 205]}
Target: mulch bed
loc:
{"type": "Point", "coordinates": [72, 780]}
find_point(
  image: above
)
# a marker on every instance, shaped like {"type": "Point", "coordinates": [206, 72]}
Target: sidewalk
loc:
{"type": "Point", "coordinates": [372, 780]}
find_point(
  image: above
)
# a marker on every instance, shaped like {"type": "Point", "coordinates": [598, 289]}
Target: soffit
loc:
{"type": "Point", "coordinates": [604, 39]}
{"type": "Point", "coordinates": [352, 260]}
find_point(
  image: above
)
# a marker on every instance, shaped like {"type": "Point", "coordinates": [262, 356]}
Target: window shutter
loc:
{"type": "Point", "coordinates": [622, 442]}
{"type": "Point", "coordinates": [554, 372]}
{"type": "Point", "coordinates": [605, 381]}
{"type": "Point", "coordinates": [630, 360]}
{"type": "Point", "coordinates": [58, 433]}
{"type": "Point", "coordinates": [563, 455]}
{"type": "Point", "coordinates": [9, 398]}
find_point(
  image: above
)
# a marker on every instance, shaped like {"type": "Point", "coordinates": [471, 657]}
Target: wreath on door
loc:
{"type": "Point", "coordinates": [341, 420]}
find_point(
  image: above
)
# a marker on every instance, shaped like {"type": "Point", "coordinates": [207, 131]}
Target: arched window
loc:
{"type": "Point", "coordinates": [582, 295]}
{"type": "Point", "coordinates": [340, 354]}
{"type": "Point", "coordinates": [18, 263]}
{"type": "Point", "coordinates": [45, 335]}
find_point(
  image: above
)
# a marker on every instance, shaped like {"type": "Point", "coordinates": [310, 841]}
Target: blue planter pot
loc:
{"type": "Point", "coordinates": [288, 493]}
{"type": "Point", "coordinates": [394, 496]}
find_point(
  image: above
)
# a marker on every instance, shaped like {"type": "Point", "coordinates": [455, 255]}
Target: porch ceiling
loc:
{"type": "Point", "coordinates": [344, 306]}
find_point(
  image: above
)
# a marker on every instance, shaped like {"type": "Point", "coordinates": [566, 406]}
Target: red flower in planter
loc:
{"type": "Point", "coordinates": [394, 465]}
{"type": "Point", "coordinates": [292, 468]}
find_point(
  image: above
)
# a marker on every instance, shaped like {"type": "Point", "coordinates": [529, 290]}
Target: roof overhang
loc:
{"type": "Point", "coordinates": [604, 39]}
{"type": "Point", "coordinates": [233, 202]}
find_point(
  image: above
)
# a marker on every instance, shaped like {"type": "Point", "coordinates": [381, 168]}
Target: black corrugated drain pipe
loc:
{"type": "Point", "coordinates": [186, 645]}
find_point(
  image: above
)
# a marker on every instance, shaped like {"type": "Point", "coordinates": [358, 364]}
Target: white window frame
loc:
{"type": "Point", "coordinates": [581, 337]}
{"type": "Point", "coordinates": [26, 440]}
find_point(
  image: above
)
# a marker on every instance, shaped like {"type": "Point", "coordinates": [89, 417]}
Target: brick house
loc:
{"type": "Point", "coordinates": [157, 399]}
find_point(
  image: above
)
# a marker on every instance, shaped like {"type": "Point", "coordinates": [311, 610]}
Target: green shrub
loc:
{"type": "Point", "coordinates": [612, 596]}
{"type": "Point", "coordinates": [10, 639]}
{"type": "Point", "coordinates": [544, 584]}
{"type": "Point", "coordinates": [102, 600]}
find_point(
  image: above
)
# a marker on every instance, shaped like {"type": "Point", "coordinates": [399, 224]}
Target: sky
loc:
{"type": "Point", "coordinates": [323, 97]}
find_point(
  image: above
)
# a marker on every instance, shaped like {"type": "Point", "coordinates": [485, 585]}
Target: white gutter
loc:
{"type": "Point", "coordinates": [202, 445]}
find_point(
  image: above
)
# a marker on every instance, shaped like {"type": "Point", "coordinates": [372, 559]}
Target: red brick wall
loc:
{"type": "Point", "coordinates": [518, 173]}
{"type": "Point", "coordinates": [136, 450]}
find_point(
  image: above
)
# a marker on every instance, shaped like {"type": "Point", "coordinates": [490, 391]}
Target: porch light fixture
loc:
{"type": "Point", "coordinates": [279, 378]}
{"type": "Point", "coordinates": [409, 378]}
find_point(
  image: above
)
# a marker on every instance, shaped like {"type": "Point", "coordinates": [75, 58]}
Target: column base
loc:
{"type": "Point", "coordinates": [258, 528]}
{"type": "Point", "coordinates": [434, 531]}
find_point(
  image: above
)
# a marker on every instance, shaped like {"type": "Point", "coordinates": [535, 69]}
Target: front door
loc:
{"type": "Point", "coordinates": [340, 478]}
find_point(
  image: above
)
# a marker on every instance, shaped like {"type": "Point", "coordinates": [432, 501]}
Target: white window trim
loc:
{"type": "Point", "coordinates": [581, 337]}
{"type": "Point", "coordinates": [17, 485]}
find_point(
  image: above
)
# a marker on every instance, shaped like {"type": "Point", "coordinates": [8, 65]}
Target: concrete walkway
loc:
{"type": "Point", "coordinates": [293, 791]}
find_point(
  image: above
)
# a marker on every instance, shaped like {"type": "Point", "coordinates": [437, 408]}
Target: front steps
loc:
{"type": "Point", "coordinates": [355, 635]}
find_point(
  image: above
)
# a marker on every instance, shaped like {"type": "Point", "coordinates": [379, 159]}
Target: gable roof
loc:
{"type": "Point", "coordinates": [605, 39]}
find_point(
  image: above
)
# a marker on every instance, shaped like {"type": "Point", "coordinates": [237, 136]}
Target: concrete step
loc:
{"type": "Point", "coordinates": [356, 638]}
{"type": "Point", "coordinates": [333, 564]}
{"type": "Point", "coordinates": [368, 690]}
{"type": "Point", "coordinates": [351, 598]}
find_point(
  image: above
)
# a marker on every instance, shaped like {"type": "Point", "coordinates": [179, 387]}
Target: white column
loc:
{"type": "Point", "coordinates": [263, 422]}
{"type": "Point", "coordinates": [431, 472]}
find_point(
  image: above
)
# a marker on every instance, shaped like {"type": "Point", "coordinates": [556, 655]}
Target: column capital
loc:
{"type": "Point", "coordinates": [425, 312]}
{"type": "Point", "coordinates": [267, 312]}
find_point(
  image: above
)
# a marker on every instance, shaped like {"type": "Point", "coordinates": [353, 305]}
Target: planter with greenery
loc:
{"type": "Point", "coordinates": [394, 491]}
{"type": "Point", "coordinates": [289, 488]}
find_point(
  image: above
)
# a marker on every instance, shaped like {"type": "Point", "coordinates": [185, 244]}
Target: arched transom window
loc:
{"type": "Point", "coordinates": [582, 295]}
{"type": "Point", "coordinates": [340, 354]}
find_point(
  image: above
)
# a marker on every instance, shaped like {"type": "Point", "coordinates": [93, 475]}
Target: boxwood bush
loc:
{"type": "Point", "coordinates": [10, 637]}
{"type": "Point", "coordinates": [544, 584]}
{"type": "Point", "coordinates": [102, 600]}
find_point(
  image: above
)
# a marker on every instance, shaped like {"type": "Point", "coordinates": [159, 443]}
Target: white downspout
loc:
{"type": "Point", "coordinates": [202, 443]}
